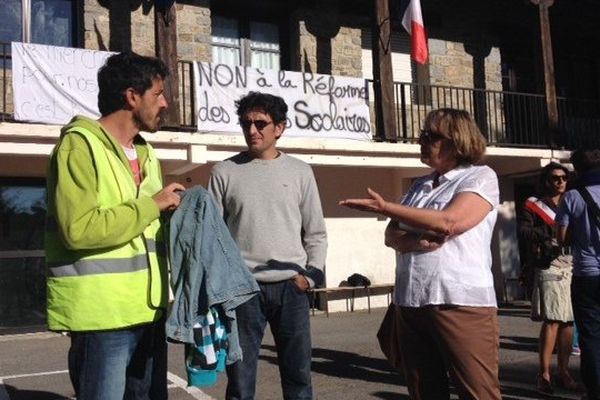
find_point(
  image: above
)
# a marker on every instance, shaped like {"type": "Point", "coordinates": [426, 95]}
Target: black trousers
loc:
{"type": "Point", "coordinates": [585, 294]}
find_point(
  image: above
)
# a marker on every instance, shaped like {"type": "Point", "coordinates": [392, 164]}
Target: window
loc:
{"type": "Point", "coordinates": [401, 63]}
{"type": "Point", "coordinates": [38, 21]}
{"type": "Point", "coordinates": [11, 28]}
{"type": "Point", "coordinates": [248, 43]}
{"type": "Point", "coordinates": [403, 68]}
{"type": "Point", "coordinates": [22, 273]}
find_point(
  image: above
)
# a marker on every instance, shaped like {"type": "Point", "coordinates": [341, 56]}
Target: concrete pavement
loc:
{"type": "Point", "coordinates": [347, 363]}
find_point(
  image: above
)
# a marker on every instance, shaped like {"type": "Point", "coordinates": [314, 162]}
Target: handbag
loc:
{"type": "Point", "coordinates": [358, 280]}
{"type": "Point", "coordinates": [388, 337]}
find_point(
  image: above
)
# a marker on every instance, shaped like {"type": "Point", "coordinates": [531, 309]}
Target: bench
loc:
{"type": "Point", "coordinates": [349, 293]}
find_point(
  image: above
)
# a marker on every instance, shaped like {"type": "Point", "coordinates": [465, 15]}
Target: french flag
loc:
{"type": "Point", "coordinates": [412, 21]}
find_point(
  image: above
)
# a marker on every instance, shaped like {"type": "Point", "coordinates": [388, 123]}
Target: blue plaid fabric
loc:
{"type": "Point", "coordinates": [207, 357]}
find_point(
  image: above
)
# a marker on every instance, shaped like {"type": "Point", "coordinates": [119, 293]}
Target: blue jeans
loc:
{"type": "Point", "coordinates": [286, 309]}
{"type": "Point", "coordinates": [585, 293]}
{"type": "Point", "coordinates": [122, 364]}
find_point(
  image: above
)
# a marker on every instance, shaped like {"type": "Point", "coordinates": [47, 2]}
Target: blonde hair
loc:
{"type": "Point", "coordinates": [457, 125]}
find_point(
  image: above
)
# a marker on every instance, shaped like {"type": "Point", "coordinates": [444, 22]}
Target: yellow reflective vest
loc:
{"type": "Point", "coordinates": [106, 264]}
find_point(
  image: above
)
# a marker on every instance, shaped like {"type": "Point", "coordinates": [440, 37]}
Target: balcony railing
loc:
{"type": "Point", "coordinates": [507, 119]}
{"type": "Point", "coordinates": [5, 76]}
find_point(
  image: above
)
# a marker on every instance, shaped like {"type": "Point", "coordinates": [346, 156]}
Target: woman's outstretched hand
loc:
{"type": "Point", "coordinates": [375, 203]}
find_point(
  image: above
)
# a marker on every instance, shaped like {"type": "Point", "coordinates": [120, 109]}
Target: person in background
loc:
{"type": "Point", "coordinates": [578, 227]}
{"type": "Point", "coordinates": [441, 231]}
{"type": "Point", "coordinates": [271, 205]}
{"type": "Point", "coordinates": [106, 274]}
{"type": "Point", "coordinates": [551, 266]}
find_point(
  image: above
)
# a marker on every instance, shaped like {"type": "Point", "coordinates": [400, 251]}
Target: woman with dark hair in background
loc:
{"type": "Point", "coordinates": [578, 226]}
{"type": "Point", "coordinates": [551, 268]}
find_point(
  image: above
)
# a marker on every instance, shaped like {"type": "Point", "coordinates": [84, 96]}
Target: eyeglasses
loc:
{"type": "Point", "coordinates": [558, 178]}
{"type": "Point", "coordinates": [430, 136]}
{"type": "Point", "coordinates": [259, 124]}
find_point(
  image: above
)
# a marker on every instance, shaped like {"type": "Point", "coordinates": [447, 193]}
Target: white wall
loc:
{"type": "Point", "coordinates": [356, 238]}
{"type": "Point", "coordinates": [505, 248]}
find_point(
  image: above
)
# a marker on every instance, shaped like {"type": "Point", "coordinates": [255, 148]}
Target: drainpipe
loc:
{"type": "Point", "coordinates": [26, 21]}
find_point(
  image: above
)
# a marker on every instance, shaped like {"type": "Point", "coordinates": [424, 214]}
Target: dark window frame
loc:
{"type": "Point", "coordinates": [76, 31]}
{"type": "Point", "coordinates": [244, 22]}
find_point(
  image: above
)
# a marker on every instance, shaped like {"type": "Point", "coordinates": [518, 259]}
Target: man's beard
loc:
{"type": "Point", "coordinates": [142, 126]}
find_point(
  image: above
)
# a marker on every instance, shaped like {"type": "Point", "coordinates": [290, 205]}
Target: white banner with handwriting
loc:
{"type": "Point", "coordinates": [51, 84]}
{"type": "Point", "coordinates": [322, 106]}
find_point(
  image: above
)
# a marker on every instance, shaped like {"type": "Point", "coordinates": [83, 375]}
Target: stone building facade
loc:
{"type": "Point", "coordinates": [452, 62]}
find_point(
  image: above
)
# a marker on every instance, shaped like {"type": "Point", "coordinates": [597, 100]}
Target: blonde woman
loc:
{"type": "Point", "coordinates": [441, 231]}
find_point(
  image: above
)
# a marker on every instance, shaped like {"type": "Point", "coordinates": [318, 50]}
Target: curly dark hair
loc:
{"type": "Point", "coordinates": [273, 105]}
{"type": "Point", "coordinates": [123, 71]}
{"type": "Point", "coordinates": [544, 184]}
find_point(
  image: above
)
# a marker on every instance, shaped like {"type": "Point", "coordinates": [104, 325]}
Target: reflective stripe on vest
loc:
{"type": "Point", "coordinates": [99, 266]}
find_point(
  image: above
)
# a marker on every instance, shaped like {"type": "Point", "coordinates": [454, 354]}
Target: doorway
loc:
{"type": "Point", "coordinates": [22, 267]}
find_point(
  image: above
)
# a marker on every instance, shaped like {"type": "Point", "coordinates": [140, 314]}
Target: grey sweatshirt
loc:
{"type": "Point", "coordinates": [273, 211]}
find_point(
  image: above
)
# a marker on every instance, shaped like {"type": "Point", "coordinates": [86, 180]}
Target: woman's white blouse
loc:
{"type": "Point", "coordinates": [459, 272]}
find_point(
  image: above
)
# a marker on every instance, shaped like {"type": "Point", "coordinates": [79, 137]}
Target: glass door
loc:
{"type": "Point", "coordinates": [22, 270]}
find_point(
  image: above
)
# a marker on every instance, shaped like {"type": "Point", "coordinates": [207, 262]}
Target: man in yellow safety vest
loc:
{"type": "Point", "coordinates": [107, 270]}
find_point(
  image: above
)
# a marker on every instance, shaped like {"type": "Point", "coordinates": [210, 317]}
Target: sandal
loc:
{"type": "Point", "coordinates": [543, 386]}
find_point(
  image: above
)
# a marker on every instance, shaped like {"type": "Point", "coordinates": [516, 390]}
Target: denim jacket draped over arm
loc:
{"type": "Point", "coordinates": [207, 269]}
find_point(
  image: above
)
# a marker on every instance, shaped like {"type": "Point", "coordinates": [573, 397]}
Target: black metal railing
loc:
{"type": "Point", "coordinates": [187, 112]}
{"type": "Point", "coordinates": [509, 119]}
{"type": "Point", "coordinates": [579, 122]}
{"type": "Point", "coordinates": [5, 76]}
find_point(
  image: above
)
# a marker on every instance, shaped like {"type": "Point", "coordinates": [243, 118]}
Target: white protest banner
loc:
{"type": "Point", "coordinates": [322, 106]}
{"type": "Point", "coordinates": [51, 84]}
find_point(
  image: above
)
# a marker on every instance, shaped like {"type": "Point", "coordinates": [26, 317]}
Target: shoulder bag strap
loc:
{"type": "Point", "coordinates": [592, 205]}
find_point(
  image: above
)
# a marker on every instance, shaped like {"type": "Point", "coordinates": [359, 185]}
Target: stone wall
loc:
{"type": "Point", "coordinates": [469, 64]}
{"type": "Point", "coordinates": [6, 98]}
{"type": "Point", "coordinates": [129, 28]}
{"type": "Point", "coordinates": [193, 29]}
{"type": "Point", "coordinates": [96, 26]}
{"type": "Point", "coordinates": [493, 70]}
{"type": "Point", "coordinates": [307, 49]}
{"type": "Point", "coordinates": [142, 32]}
{"type": "Point", "coordinates": [450, 64]}
{"type": "Point", "coordinates": [344, 42]}
{"type": "Point", "coordinates": [347, 52]}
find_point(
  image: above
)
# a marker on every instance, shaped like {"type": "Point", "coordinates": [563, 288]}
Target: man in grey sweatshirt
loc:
{"type": "Point", "coordinates": [270, 202]}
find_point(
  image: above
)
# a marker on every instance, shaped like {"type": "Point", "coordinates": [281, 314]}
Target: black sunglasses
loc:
{"type": "Point", "coordinates": [431, 136]}
{"type": "Point", "coordinates": [259, 124]}
{"type": "Point", "coordinates": [558, 178]}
